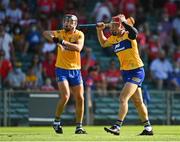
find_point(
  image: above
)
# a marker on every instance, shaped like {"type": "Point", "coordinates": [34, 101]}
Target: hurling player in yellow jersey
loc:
{"type": "Point", "coordinates": [69, 42]}
{"type": "Point", "coordinates": [123, 42]}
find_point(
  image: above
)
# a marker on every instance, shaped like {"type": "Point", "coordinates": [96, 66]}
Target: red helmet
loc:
{"type": "Point", "coordinates": [130, 20]}
{"type": "Point", "coordinates": [116, 19]}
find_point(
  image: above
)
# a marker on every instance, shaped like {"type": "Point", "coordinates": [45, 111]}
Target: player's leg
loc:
{"type": "Point", "coordinates": [64, 97]}
{"type": "Point", "coordinates": [126, 93]}
{"type": "Point", "coordinates": [133, 79]}
{"type": "Point", "coordinates": [142, 111]}
{"type": "Point", "coordinates": [78, 92]}
{"type": "Point", "coordinates": [63, 86]}
{"type": "Point", "coordinates": [77, 89]}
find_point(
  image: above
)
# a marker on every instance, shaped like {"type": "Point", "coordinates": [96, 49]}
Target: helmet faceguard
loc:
{"type": "Point", "coordinates": [69, 22]}
{"type": "Point", "coordinates": [116, 26]}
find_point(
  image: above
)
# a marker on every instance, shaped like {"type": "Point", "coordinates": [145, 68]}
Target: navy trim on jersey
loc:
{"type": "Point", "coordinates": [122, 45]}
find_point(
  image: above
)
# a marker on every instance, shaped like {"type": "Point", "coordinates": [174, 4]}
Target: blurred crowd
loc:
{"type": "Point", "coordinates": [27, 59]}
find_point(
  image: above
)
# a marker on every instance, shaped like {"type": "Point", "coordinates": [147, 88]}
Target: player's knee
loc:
{"type": "Point", "coordinates": [65, 98]}
{"type": "Point", "coordinates": [123, 100]}
{"type": "Point", "coordinates": [80, 98]}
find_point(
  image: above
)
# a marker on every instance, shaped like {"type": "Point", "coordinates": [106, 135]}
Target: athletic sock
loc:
{"type": "Point", "coordinates": [147, 125]}
{"type": "Point", "coordinates": [78, 125]}
{"type": "Point", "coordinates": [118, 123]}
{"type": "Point", "coordinates": [57, 119]}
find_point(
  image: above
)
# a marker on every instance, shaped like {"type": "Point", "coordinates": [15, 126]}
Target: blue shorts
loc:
{"type": "Point", "coordinates": [135, 76]}
{"type": "Point", "coordinates": [72, 76]}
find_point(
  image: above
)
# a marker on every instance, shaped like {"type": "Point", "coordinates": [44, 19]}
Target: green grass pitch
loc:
{"type": "Point", "coordinates": [95, 133]}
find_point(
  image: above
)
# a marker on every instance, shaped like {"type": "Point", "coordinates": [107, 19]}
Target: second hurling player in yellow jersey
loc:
{"type": "Point", "coordinates": [124, 44]}
{"type": "Point", "coordinates": [69, 42]}
{"type": "Point", "coordinates": [126, 51]}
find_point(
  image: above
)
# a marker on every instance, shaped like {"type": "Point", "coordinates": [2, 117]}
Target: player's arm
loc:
{"type": "Point", "coordinates": [101, 37]}
{"type": "Point", "coordinates": [74, 46]}
{"type": "Point", "coordinates": [49, 35]}
{"type": "Point", "coordinates": [132, 31]}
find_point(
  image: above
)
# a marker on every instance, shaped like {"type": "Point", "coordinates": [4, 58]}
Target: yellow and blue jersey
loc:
{"type": "Point", "coordinates": [67, 59]}
{"type": "Point", "coordinates": [126, 50]}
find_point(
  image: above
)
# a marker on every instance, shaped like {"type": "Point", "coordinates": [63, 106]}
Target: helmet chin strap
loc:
{"type": "Point", "coordinates": [68, 27]}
